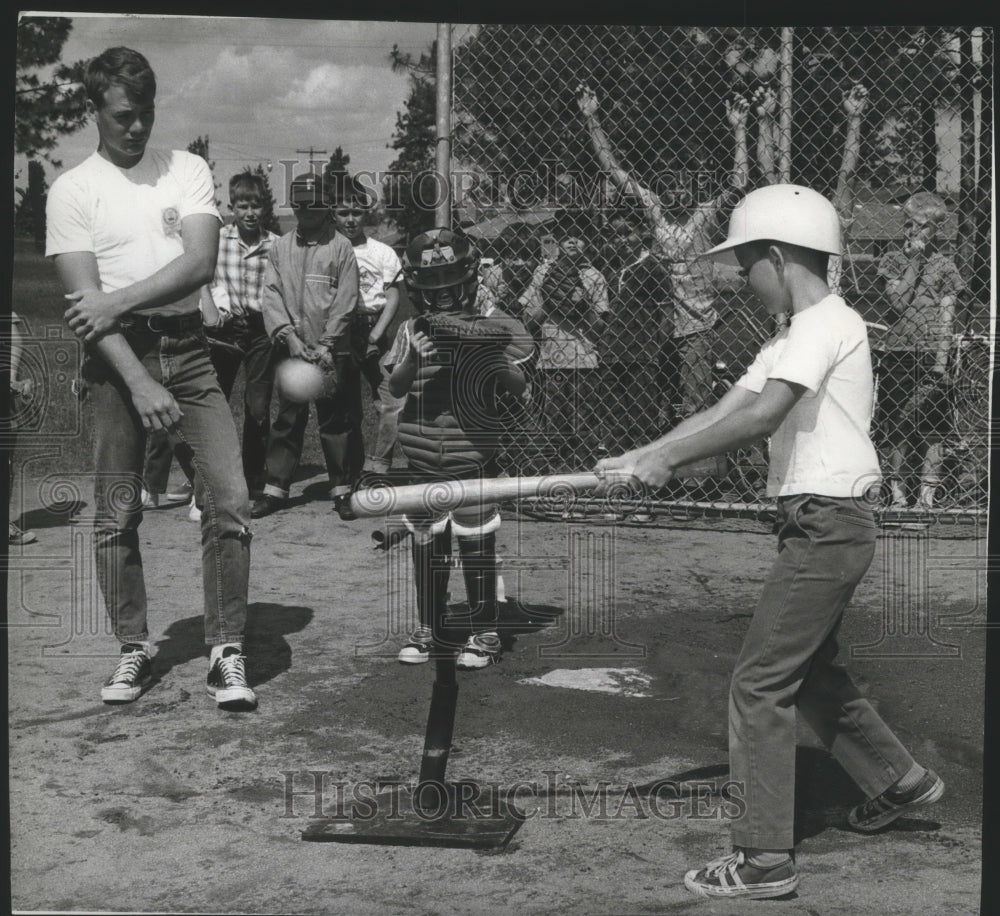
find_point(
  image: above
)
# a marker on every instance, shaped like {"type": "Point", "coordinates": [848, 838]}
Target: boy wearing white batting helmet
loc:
{"type": "Point", "coordinates": [810, 390]}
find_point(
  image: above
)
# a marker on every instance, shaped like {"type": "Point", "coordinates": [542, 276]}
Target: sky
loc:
{"type": "Point", "coordinates": [260, 89]}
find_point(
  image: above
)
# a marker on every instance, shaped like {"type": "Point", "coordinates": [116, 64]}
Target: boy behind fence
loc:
{"type": "Point", "coordinates": [922, 284]}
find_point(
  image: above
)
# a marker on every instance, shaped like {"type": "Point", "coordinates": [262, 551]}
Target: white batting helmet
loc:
{"type": "Point", "coordinates": [782, 213]}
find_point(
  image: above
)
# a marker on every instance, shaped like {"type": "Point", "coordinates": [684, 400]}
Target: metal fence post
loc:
{"type": "Point", "coordinates": [785, 104]}
{"type": "Point", "coordinates": [443, 159]}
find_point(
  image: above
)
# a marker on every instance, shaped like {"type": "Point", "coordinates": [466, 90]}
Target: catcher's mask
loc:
{"type": "Point", "coordinates": [441, 270]}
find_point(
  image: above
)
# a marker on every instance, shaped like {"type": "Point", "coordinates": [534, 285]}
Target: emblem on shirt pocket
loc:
{"type": "Point", "coordinates": [171, 221]}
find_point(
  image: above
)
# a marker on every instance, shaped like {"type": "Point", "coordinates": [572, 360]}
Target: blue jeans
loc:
{"type": "Point", "coordinates": [825, 546]}
{"type": "Point", "coordinates": [339, 419]}
{"type": "Point", "coordinates": [159, 457]}
{"type": "Point", "coordinates": [388, 407]}
{"type": "Point", "coordinates": [246, 343]}
{"type": "Point", "coordinates": [182, 365]}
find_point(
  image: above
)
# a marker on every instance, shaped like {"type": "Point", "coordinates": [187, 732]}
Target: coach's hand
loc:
{"type": "Point", "coordinates": [92, 314]}
{"type": "Point", "coordinates": [155, 405]}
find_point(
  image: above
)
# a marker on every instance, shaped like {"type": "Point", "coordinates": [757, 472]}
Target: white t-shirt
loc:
{"type": "Point", "coordinates": [378, 267]}
{"type": "Point", "coordinates": [823, 445]}
{"type": "Point", "coordinates": [129, 218]}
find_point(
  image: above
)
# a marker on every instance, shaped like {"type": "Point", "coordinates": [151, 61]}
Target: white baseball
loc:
{"type": "Point", "coordinates": [299, 380]}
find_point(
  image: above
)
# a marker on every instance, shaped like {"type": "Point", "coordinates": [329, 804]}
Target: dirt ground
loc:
{"type": "Point", "coordinates": [169, 804]}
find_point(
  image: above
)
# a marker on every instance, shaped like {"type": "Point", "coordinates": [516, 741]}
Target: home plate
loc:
{"type": "Point", "coordinates": [630, 682]}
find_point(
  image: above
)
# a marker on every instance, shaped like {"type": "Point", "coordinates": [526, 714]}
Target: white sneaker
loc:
{"type": "Point", "coordinates": [181, 495]}
{"type": "Point", "coordinates": [418, 649]}
{"type": "Point", "coordinates": [16, 537]}
{"type": "Point", "coordinates": [132, 673]}
{"type": "Point", "coordinates": [227, 681]}
{"type": "Point", "coordinates": [194, 513]}
{"type": "Point", "coordinates": [480, 651]}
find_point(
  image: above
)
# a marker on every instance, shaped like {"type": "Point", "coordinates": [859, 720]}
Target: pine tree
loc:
{"type": "Point", "coordinates": [200, 148]}
{"type": "Point", "coordinates": [335, 173]}
{"type": "Point", "coordinates": [406, 195]}
{"type": "Point", "coordinates": [45, 111]}
{"type": "Point", "coordinates": [29, 214]}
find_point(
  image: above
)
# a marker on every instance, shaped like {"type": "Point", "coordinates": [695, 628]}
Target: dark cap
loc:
{"type": "Point", "coordinates": [307, 189]}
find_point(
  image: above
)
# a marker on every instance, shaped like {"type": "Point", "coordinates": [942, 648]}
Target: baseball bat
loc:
{"type": "Point", "coordinates": [440, 496]}
{"type": "Point", "coordinates": [444, 495]}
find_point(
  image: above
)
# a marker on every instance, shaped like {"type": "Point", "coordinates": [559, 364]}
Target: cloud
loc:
{"type": "Point", "coordinates": [261, 89]}
{"type": "Point", "coordinates": [351, 88]}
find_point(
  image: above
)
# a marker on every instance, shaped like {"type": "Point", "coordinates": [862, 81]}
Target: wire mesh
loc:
{"type": "Point", "coordinates": [593, 162]}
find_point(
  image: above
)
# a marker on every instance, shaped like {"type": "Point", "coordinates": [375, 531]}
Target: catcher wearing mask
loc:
{"type": "Point", "coordinates": [450, 363]}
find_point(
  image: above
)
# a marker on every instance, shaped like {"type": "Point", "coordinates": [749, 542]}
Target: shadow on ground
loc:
{"type": "Point", "coordinates": [51, 515]}
{"type": "Point", "coordinates": [268, 652]}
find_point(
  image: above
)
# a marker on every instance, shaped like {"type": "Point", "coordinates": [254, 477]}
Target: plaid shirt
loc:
{"type": "Point", "coordinates": [240, 268]}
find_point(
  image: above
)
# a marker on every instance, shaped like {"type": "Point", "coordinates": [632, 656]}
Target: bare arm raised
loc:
{"type": "Point", "coordinates": [855, 102]}
{"type": "Point", "coordinates": [587, 100]}
{"type": "Point", "coordinates": [765, 104]}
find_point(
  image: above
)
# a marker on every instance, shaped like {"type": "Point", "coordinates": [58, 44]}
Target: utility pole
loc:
{"type": "Point", "coordinates": [311, 153]}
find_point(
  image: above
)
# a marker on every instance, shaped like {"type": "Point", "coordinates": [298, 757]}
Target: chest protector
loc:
{"type": "Point", "coordinates": [450, 421]}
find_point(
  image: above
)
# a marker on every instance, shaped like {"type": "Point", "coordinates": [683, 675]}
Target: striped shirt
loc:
{"type": "Point", "coordinates": [240, 268]}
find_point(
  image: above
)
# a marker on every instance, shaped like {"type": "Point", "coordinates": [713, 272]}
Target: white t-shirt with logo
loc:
{"type": "Point", "coordinates": [378, 267]}
{"type": "Point", "coordinates": [823, 445]}
{"type": "Point", "coordinates": [129, 218]}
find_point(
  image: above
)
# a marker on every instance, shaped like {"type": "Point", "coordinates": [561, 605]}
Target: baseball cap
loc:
{"type": "Point", "coordinates": [307, 189]}
{"type": "Point", "coordinates": [788, 213]}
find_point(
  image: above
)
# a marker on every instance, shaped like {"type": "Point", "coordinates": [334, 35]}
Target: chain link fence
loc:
{"type": "Point", "coordinates": [593, 162]}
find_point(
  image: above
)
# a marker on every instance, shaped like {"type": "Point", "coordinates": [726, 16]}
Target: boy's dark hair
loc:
{"type": "Point", "coordinates": [347, 190]}
{"type": "Point", "coordinates": [119, 67]}
{"type": "Point", "coordinates": [246, 184]}
{"type": "Point", "coordinates": [820, 259]}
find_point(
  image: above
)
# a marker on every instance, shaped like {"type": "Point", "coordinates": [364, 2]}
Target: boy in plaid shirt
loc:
{"type": "Point", "coordinates": [240, 338]}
